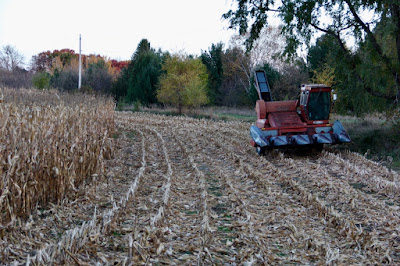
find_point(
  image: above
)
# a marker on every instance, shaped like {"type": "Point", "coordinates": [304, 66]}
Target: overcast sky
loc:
{"type": "Point", "coordinates": [112, 28]}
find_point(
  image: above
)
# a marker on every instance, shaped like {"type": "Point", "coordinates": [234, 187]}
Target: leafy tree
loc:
{"type": "Point", "coordinates": [184, 82]}
{"type": "Point", "coordinates": [291, 76]}
{"type": "Point", "coordinates": [235, 88]}
{"type": "Point", "coordinates": [301, 20]}
{"type": "Point", "coordinates": [143, 77]}
{"type": "Point", "coordinates": [138, 79]}
{"type": "Point", "coordinates": [41, 80]}
{"type": "Point", "coordinates": [58, 61]}
{"type": "Point", "coordinates": [213, 61]}
{"type": "Point", "coordinates": [119, 65]}
{"type": "Point", "coordinates": [324, 75]}
{"type": "Point", "coordinates": [267, 48]}
{"type": "Point", "coordinates": [97, 77]}
{"type": "Point", "coordinates": [41, 62]}
{"type": "Point", "coordinates": [238, 80]}
{"type": "Point", "coordinates": [352, 96]}
{"type": "Point", "coordinates": [120, 85]}
{"type": "Point", "coordinates": [66, 80]}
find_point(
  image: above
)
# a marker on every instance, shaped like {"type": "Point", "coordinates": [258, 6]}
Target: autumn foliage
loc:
{"type": "Point", "coordinates": [68, 59]}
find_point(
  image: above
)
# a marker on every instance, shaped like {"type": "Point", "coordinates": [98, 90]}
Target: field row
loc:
{"type": "Point", "coordinates": [187, 191]}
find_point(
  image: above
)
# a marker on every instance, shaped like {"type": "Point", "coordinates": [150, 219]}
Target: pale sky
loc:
{"type": "Point", "coordinates": [112, 28]}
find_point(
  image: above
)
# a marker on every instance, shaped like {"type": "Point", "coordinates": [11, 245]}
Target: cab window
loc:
{"type": "Point", "coordinates": [319, 105]}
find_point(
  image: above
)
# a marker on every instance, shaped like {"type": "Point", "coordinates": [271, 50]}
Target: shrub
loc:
{"type": "Point", "coordinates": [41, 80]}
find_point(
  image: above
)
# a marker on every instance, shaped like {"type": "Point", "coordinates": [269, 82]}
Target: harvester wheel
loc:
{"type": "Point", "coordinates": [260, 150]}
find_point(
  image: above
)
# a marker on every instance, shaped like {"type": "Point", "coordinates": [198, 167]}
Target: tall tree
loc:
{"type": "Point", "coordinates": [142, 74]}
{"type": "Point", "coordinates": [212, 59]}
{"type": "Point", "coordinates": [324, 51]}
{"type": "Point", "coordinates": [12, 72]}
{"type": "Point", "coordinates": [267, 48]}
{"type": "Point", "coordinates": [302, 19]}
{"type": "Point", "coordinates": [121, 84]}
{"type": "Point", "coordinates": [10, 58]}
{"type": "Point", "coordinates": [143, 47]}
{"type": "Point", "coordinates": [327, 62]}
{"type": "Point", "coordinates": [97, 77]}
{"type": "Point", "coordinates": [235, 88]}
{"type": "Point", "coordinates": [143, 77]}
{"type": "Point", "coordinates": [184, 83]}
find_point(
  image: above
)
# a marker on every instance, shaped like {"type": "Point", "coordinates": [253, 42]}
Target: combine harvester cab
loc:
{"type": "Point", "coordinates": [294, 123]}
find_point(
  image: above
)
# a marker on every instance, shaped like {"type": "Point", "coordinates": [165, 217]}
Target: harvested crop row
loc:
{"type": "Point", "coordinates": [263, 177]}
{"type": "Point", "coordinates": [227, 223]}
{"type": "Point", "coordinates": [371, 166]}
{"type": "Point", "coordinates": [230, 210]}
{"type": "Point", "coordinates": [370, 242]}
{"type": "Point", "coordinates": [205, 197]}
{"type": "Point", "coordinates": [174, 232]}
{"type": "Point", "coordinates": [377, 178]}
{"type": "Point", "coordinates": [361, 219]}
{"type": "Point", "coordinates": [146, 212]}
{"type": "Point", "coordinates": [205, 217]}
{"type": "Point", "coordinates": [209, 142]}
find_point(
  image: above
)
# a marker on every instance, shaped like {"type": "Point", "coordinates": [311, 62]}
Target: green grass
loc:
{"type": "Point", "coordinates": [375, 138]}
{"type": "Point", "coordinates": [214, 113]}
{"type": "Point", "coordinates": [225, 116]}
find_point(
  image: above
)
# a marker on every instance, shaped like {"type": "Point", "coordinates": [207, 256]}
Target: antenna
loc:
{"type": "Point", "coordinates": [80, 64]}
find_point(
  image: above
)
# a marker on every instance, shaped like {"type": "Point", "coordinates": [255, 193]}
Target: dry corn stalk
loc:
{"type": "Point", "coordinates": [49, 146]}
{"type": "Point", "coordinates": [223, 204]}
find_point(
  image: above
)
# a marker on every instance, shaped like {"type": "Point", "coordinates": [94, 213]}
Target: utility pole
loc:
{"type": "Point", "coordinates": [80, 64]}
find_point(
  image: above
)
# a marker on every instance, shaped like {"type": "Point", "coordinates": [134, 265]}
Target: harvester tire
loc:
{"type": "Point", "coordinates": [260, 150]}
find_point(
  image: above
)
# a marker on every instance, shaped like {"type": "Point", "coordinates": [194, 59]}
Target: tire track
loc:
{"type": "Point", "coordinates": [341, 223]}
{"type": "Point", "coordinates": [326, 250]}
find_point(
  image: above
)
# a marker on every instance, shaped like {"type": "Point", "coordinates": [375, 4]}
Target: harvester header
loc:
{"type": "Point", "coordinates": [293, 123]}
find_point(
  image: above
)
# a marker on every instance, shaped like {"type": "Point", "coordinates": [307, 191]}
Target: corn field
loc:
{"type": "Point", "coordinates": [49, 146]}
{"type": "Point", "coordinates": [177, 190]}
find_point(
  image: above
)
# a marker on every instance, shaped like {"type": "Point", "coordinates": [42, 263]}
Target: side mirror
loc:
{"type": "Point", "coordinates": [334, 97]}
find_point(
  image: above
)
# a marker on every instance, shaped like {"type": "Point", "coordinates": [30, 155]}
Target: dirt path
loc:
{"type": "Point", "coordinates": [188, 191]}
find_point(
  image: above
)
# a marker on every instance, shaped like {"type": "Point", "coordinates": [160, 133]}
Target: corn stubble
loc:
{"type": "Point", "coordinates": [193, 192]}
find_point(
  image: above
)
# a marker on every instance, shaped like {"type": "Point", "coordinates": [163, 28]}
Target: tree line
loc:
{"type": "Point", "coordinates": [366, 76]}
{"type": "Point", "coordinates": [219, 76]}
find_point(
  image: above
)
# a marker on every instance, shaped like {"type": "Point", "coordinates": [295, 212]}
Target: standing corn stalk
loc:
{"type": "Point", "coordinates": [49, 147]}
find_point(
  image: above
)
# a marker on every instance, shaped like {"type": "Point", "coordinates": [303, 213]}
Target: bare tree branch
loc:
{"type": "Point", "coordinates": [10, 59]}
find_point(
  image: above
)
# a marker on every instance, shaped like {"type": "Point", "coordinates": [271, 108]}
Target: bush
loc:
{"type": "Point", "coordinates": [121, 104]}
{"type": "Point", "coordinates": [66, 80]}
{"type": "Point", "coordinates": [136, 106]}
{"type": "Point", "coordinates": [97, 77]}
{"type": "Point", "coordinates": [18, 78]}
{"type": "Point", "coordinates": [41, 80]}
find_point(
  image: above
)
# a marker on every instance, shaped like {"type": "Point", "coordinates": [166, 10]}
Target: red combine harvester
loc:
{"type": "Point", "coordinates": [294, 123]}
